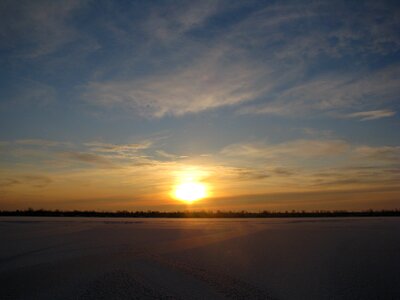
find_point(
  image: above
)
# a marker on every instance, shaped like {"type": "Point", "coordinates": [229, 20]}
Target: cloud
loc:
{"type": "Point", "coordinates": [296, 31]}
{"type": "Point", "coordinates": [168, 22]}
{"type": "Point", "coordinates": [56, 154]}
{"type": "Point", "coordinates": [41, 142]}
{"type": "Point", "coordinates": [297, 148]}
{"type": "Point", "coordinates": [133, 154]}
{"type": "Point", "coordinates": [246, 174]}
{"type": "Point", "coordinates": [118, 148]}
{"type": "Point", "coordinates": [8, 182]}
{"type": "Point", "coordinates": [37, 181]}
{"type": "Point", "coordinates": [19, 92]}
{"type": "Point", "coordinates": [168, 155]}
{"type": "Point", "coordinates": [37, 28]}
{"type": "Point", "coordinates": [372, 114]}
{"type": "Point", "coordinates": [172, 59]}
{"type": "Point", "coordinates": [4, 144]}
{"type": "Point", "coordinates": [330, 93]}
{"type": "Point", "coordinates": [380, 153]}
{"type": "Point", "coordinates": [360, 175]}
{"type": "Point", "coordinates": [88, 158]}
{"type": "Point", "coordinates": [295, 36]}
{"type": "Point", "coordinates": [283, 171]}
{"type": "Point", "coordinates": [316, 133]}
{"type": "Point", "coordinates": [212, 81]}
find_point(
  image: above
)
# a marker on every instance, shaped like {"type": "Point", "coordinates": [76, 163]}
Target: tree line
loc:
{"type": "Point", "coordinates": [200, 214]}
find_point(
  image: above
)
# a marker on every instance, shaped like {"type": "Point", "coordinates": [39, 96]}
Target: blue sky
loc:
{"type": "Point", "coordinates": [256, 98]}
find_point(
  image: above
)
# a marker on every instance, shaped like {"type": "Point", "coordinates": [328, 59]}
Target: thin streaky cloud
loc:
{"type": "Point", "coordinates": [299, 148]}
{"type": "Point", "coordinates": [118, 148]}
{"type": "Point", "coordinates": [166, 24]}
{"type": "Point", "coordinates": [89, 158]}
{"type": "Point", "coordinates": [372, 114]}
{"type": "Point", "coordinates": [42, 143]}
{"type": "Point", "coordinates": [210, 83]}
{"type": "Point", "coordinates": [389, 154]}
{"type": "Point", "coordinates": [330, 93]}
{"type": "Point", "coordinates": [43, 25]}
{"type": "Point", "coordinates": [211, 80]}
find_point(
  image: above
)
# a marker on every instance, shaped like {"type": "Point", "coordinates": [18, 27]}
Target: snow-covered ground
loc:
{"type": "Point", "coordinates": [79, 258]}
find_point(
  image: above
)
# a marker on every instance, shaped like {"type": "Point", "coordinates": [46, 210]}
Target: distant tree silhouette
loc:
{"type": "Point", "coordinates": [200, 213]}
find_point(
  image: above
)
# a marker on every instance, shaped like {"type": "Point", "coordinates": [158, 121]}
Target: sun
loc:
{"type": "Point", "coordinates": [190, 191]}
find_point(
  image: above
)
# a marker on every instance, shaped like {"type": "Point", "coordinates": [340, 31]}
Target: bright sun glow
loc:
{"type": "Point", "coordinates": [190, 191]}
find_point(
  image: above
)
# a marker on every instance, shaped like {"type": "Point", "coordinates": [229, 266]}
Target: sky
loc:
{"type": "Point", "coordinates": [271, 105]}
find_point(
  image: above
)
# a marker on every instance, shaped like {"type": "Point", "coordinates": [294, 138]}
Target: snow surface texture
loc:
{"type": "Point", "coordinates": [78, 258]}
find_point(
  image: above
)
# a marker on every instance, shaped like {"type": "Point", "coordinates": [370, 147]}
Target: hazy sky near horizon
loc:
{"type": "Point", "coordinates": [271, 104]}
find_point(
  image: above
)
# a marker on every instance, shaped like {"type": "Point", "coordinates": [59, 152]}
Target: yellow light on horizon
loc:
{"type": "Point", "coordinates": [190, 191]}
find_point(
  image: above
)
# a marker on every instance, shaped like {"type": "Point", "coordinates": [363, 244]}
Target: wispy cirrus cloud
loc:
{"type": "Point", "coordinates": [389, 154]}
{"type": "Point", "coordinates": [166, 23]}
{"type": "Point", "coordinates": [26, 93]}
{"type": "Point", "coordinates": [161, 66]}
{"type": "Point", "coordinates": [89, 158]}
{"type": "Point", "coordinates": [37, 28]}
{"type": "Point", "coordinates": [333, 93]}
{"type": "Point", "coordinates": [372, 114]}
{"type": "Point", "coordinates": [297, 148]}
{"type": "Point", "coordinates": [118, 148]}
{"type": "Point", "coordinates": [42, 143]}
{"type": "Point", "coordinates": [211, 82]}
{"type": "Point", "coordinates": [323, 148]}
{"type": "Point", "coordinates": [61, 154]}
{"type": "Point", "coordinates": [254, 64]}
{"type": "Point", "coordinates": [374, 32]}
{"type": "Point", "coordinates": [168, 155]}
{"type": "Point", "coordinates": [353, 177]}
{"type": "Point", "coordinates": [34, 180]}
